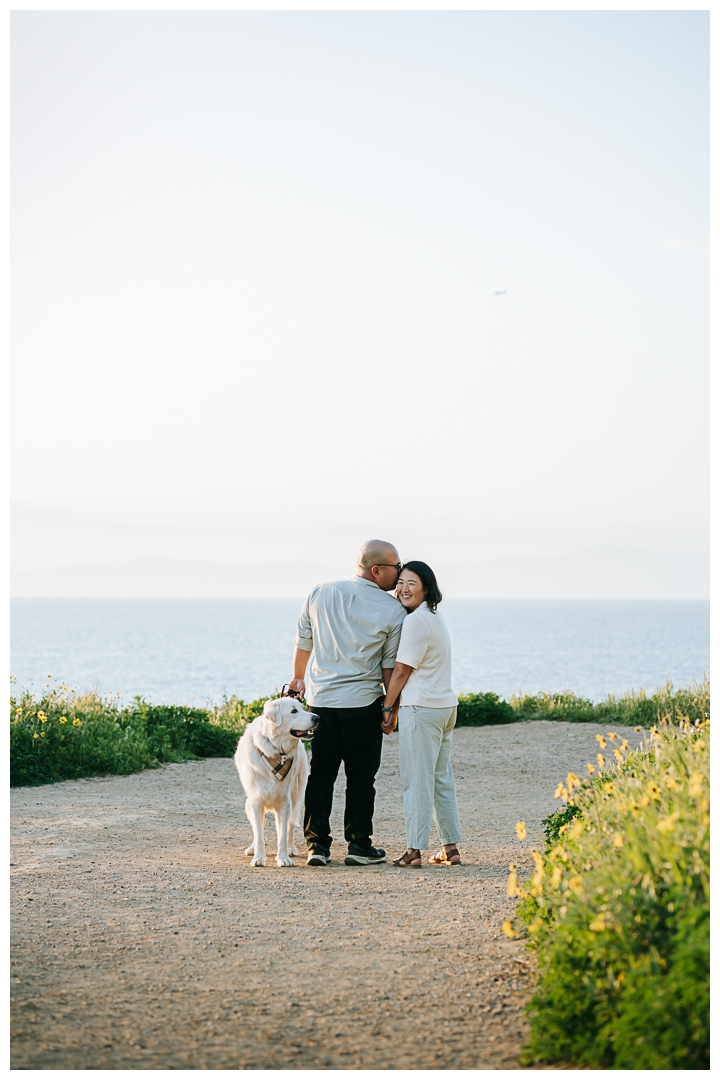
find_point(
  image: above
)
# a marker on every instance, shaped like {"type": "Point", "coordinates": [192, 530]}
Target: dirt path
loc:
{"type": "Point", "coordinates": [142, 939]}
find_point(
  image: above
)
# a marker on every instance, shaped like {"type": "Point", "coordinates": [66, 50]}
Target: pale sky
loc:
{"type": "Point", "coordinates": [257, 259]}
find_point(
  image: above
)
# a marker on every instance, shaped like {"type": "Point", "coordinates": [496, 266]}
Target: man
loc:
{"type": "Point", "coordinates": [353, 627]}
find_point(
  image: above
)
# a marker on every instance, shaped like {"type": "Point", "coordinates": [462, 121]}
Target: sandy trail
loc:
{"type": "Point", "coordinates": [143, 939]}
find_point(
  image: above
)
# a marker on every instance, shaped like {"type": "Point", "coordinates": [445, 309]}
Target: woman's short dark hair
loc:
{"type": "Point", "coordinates": [433, 596]}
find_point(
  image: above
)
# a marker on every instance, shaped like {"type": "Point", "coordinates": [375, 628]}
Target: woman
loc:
{"type": "Point", "coordinates": [427, 717]}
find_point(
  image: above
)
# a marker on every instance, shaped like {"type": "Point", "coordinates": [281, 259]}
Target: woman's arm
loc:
{"type": "Point", "coordinates": [400, 675]}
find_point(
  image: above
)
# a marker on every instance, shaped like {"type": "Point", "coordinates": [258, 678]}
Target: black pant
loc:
{"type": "Point", "coordinates": [353, 737]}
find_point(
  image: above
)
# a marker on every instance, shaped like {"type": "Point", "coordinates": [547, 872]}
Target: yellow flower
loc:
{"type": "Point", "coordinates": [36, 736]}
{"type": "Point", "coordinates": [575, 830]}
{"type": "Point", "coordinates": [521, 830]}
{"type": "Point", "coordinates": [672, 784]}
{"type": "Point", "coordinates": [617, 840]}
{"type": "Point", "coordinates": [556, 875]}
{"type": "Point", "coordinates": [638, 729]}
{"type": "Point", "coordinates": [512, 883]}
{"type": "Point", "coordinates": [534, 927]}
{"type": "Point", "coordinates": [611, 736]}
{"type": "Point", "coordinates": [645, 801]}
{"type": "Point", "coordinates": [667, 824]}
{"type": "Point", "coordinates": [63, 719]}
{"type": "Point", "coordinates": [617, 755]}
{"type": "Point", "coordinates": [695, 785]}
{"type": "Point", "coordinates": [539, 871]}
{"type": "Point", "coordinates": [572, 781]}
{"type": "Point", "coordinates": [602, 742]}
{"type": "Point", "coordinates": [576, 883]}
{"type": "Point", "coordinates": [559, 790]}
{"type": "Point", "coordinates": [653, 790]}
{"type": "Point", "coordinates": [42, 734]}
{"type": "Point", "coordinates": [77, 723]}
{"type": "Point", "coordinates": [41, 715]}
{"type": "Point", "coordinates": [598, 924]}
{"type": "Point", "coordinates": [600, 760]}
{"type": "Point", "coordinates": [609, 789]}
{"type": "Point", "coordinates": [624, 746]}
{"type": "Point", "coordinates": [508, 929]}
{"type": "Point", "coordinates": [590, 768]}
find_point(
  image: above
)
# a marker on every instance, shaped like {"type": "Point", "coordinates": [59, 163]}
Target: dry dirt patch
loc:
{"type": "Point", "coordinates": [143, 939]}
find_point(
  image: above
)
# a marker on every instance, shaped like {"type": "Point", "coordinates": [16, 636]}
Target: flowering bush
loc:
{"type": "Point", "coordinates": [618, 909]}
{"type": "Point", "coordinates": [64, 735]}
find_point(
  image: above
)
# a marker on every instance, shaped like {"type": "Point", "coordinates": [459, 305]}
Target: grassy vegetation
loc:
{"type": "Point", "coordinates": [64, 735]}
{"type": "Point", "coordinates": [634, 709]}
{"type": "Point", "coordinates": [618, 908]}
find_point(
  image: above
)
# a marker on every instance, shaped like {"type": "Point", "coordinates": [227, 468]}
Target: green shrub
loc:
{"type": "Point", "coordinates": [618, 911]}
{"type": "Point", "coordinates": [176, 729]}
{"type": "Point", "coordinates": [477, 710]}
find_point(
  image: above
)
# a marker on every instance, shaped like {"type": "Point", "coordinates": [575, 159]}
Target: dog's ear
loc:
{"type": "Point", "coordinates": [273, 710]}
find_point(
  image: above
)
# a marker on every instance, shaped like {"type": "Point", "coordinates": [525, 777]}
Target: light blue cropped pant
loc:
{"type": "Point", "coordinates": [427, 776]}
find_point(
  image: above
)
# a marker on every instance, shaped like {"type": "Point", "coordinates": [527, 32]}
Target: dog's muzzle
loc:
{"type": "Point", "coordinates": [306, 733]}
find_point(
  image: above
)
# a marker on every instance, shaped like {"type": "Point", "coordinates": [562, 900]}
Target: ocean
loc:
{"type": "Point", "coordinates": [197, 651]}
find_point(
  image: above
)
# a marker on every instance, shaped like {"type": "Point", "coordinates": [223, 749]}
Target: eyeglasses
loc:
{"type": "Point", "coordinates": [395, 565]}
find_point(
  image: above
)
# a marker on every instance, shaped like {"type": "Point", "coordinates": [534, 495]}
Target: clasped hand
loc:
{"type": "Point", "coordinates": [389, 720]}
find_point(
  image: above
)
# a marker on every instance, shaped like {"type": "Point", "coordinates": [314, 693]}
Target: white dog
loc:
{"type": "Point", "coordinates": [273, 769]}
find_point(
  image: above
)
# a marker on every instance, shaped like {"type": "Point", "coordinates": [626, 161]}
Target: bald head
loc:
{"type": "Point", "coordinates": [376, 552]}
{"type": "Point", "coordinates": [378, 562]}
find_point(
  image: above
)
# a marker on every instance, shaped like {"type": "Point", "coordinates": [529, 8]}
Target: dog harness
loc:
{"type": "Point", "coordinates": [280, 764]}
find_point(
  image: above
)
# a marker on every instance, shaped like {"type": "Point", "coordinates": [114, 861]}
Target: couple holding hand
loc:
{"type": "Point", "coordinates": [379, 631]}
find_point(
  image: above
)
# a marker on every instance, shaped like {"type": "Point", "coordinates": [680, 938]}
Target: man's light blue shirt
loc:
{"type": "Point", "coordinates": [353, 629]}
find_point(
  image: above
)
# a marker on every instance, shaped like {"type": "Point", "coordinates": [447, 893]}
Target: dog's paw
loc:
{"type": "Point", "coordinates": [257, 861]}
{"type": "Point", "coordinates": [250, 850]}
{"type": "Point", "coordinates": [293, 851]}
{"type": "Point", "coordinates": [284, 861]}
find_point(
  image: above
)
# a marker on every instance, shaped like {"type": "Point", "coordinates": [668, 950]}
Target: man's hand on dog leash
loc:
{"type": "Point", "coordinates": [298, 686]}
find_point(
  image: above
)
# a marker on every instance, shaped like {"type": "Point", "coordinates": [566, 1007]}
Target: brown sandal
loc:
{"type": "Point", "coordinates": [447, 856]}
{"type": "Point", "coordinates": [411, 857]}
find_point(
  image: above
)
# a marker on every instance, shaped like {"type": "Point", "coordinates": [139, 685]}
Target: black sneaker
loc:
{"type": "Point", "coordinates": [318, 855]}
{"type": "Point", "coordinates": [361, 856]}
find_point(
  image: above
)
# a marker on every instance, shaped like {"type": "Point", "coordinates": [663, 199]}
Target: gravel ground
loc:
{"type": "Point", "coordinates": [143, 939]}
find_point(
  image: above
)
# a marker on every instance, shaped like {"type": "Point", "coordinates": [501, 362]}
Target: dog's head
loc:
{"type": "Point", "coordinates": [289, 718]}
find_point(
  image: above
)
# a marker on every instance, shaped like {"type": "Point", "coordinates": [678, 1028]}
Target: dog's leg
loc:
{"type": "Point", "coordinates": [282, 822]}
{"type": "Point", "coordinates": [257, 820]}
{"type": "Point", "coordinates": [295, 829]}
{"type": "Point", "coordinates": [249, 850]}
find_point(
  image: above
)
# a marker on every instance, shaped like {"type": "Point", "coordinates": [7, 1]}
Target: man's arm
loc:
{"type": "Point", "coordinates": [300, 663]}
{"type": "Point", "coordinates": [303, 648]}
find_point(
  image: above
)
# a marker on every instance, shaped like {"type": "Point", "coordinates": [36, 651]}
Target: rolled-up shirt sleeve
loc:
{"type": "Point", "coordinates": [390, 647]}
{"type": "Point", "coordinates": [413, 643]}
{"type": "Point", "coordinates": [303, 635]}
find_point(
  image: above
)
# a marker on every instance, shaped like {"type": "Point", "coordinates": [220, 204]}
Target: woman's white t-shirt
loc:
{"type": "Point", "coordinates": [425, 646]}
